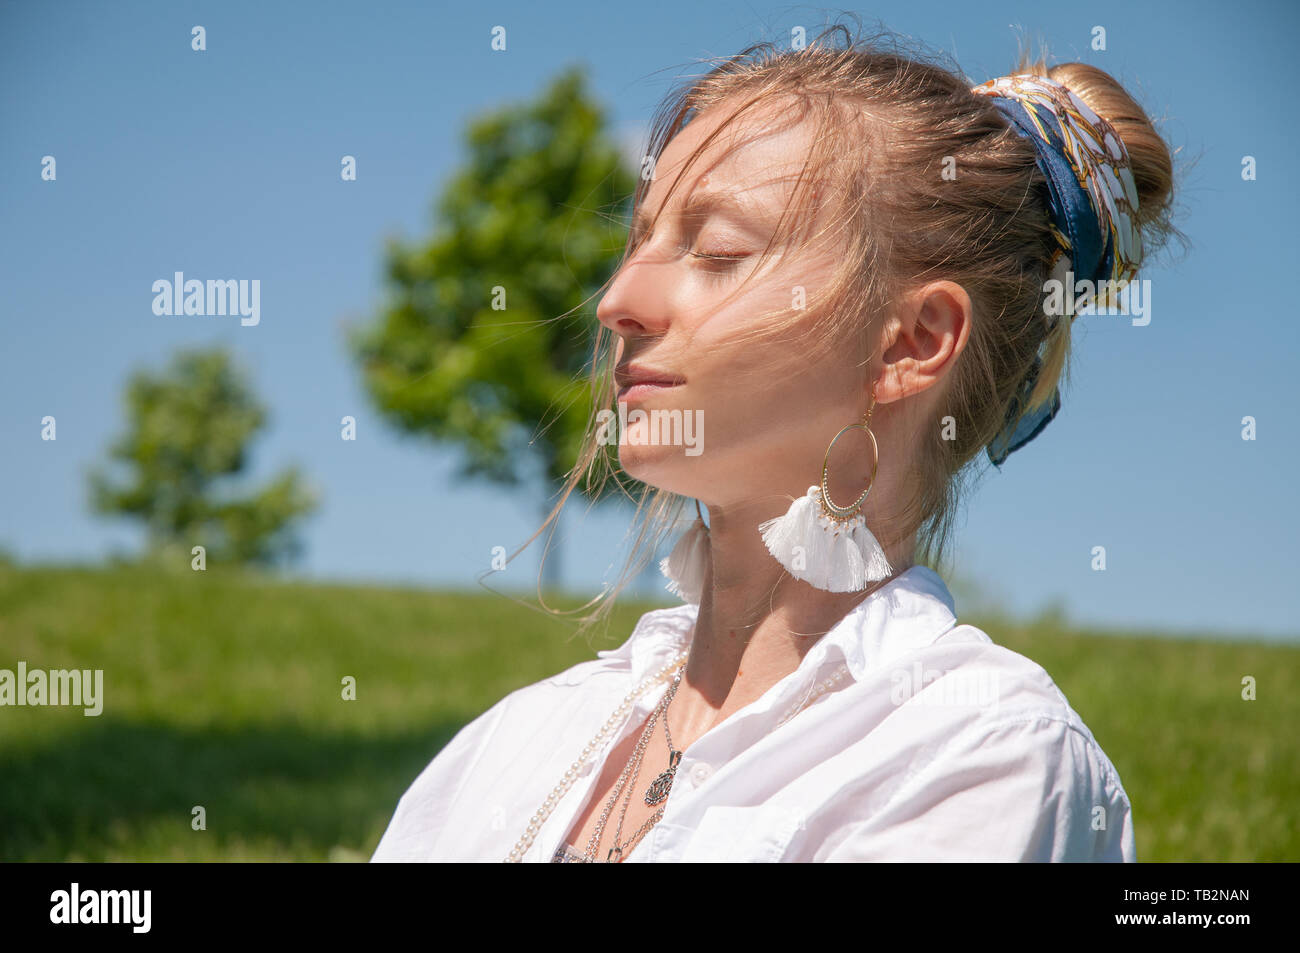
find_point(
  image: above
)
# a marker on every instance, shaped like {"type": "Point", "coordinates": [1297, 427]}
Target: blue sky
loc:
{"type": "Point", "coordinates": [225, 163]}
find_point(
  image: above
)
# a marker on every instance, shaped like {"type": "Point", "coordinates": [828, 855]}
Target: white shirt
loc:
{"type": "Point", "coordinates": [937, 745]}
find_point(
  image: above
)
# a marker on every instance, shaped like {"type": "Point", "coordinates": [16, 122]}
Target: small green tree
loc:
{"type": "Point", "coordinates": [189, 431]}
{"type": "Point", "coordinates": [481, 343]}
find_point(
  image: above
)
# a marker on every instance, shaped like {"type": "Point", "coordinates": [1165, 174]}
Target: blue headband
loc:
{"type": "Point", "coordinates": [1092, 209]}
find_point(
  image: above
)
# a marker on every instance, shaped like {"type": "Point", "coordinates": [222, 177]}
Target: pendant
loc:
{"type": "Point", "coordinates": [662, 784]}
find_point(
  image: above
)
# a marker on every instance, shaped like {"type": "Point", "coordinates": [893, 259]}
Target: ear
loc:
{"type": "Point", "coordinates": [921, 344]}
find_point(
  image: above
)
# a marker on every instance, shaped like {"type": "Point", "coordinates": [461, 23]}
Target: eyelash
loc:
{"type": "Point", "coordinates": [723, 259]}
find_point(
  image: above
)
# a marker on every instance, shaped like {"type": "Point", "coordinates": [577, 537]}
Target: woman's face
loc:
{"type": "Point", "coordinates": [759, 433]}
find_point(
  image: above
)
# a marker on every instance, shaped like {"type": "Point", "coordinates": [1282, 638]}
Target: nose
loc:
{"type": "Point", "coordinates": [638, 300]}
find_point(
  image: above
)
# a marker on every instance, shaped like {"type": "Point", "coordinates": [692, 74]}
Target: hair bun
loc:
{"type": "Point", "coordinates": [1150, 160]}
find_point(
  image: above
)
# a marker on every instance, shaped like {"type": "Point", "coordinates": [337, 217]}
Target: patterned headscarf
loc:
{"type": "Point", "coordinates": [1093, 211]}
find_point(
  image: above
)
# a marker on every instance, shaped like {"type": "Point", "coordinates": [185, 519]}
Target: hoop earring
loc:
{"type": "Point", "coordinates": [685, 566]}
{"type": "Point", "coordinates": [825, 545]}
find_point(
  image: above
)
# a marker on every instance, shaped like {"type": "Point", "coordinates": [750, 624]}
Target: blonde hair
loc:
{"type": "Point", "coordinates": [888, 123]}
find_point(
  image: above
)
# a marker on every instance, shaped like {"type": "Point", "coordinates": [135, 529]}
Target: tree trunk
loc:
{"type": "Point", "coordinates": [551, 575]}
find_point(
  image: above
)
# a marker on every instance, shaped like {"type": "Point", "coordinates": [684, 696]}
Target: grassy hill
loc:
{"type": "Point", "coordinates": [224, 690]}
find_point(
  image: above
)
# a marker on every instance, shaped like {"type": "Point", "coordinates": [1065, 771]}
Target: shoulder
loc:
{"type": "Point", "coordinates": [527, 722]}
{"type": "Point", "coordinates": [1013, 694]}
{"type": "Point", "coordinates": [521, 732]}
{"type": "Point", "coordinates": [987, 741]}
{"type": "Point", "coordinates": [522, 710]}
{"type": "Point", "coordinates": [427, 807]}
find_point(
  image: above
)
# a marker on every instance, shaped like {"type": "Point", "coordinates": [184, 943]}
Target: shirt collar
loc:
{"type": "Point", "coordinates": [910, 611]}
{"type": "Point", "coordinates": [658, 637]}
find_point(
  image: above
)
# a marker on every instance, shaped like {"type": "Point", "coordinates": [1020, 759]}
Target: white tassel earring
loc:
{"type": "Point", "coordinates": [686, 564]}
{"type": "Point", "coordinates": [828, 546]}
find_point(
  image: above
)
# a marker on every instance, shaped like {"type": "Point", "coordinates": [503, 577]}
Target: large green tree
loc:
{"type": "Point", "coordinates": [481, 343]}
{"type": "Point", "coordinates": [189, 428]}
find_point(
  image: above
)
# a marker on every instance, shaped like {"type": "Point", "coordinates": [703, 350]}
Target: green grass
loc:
{"type": "Point", "coordinates": [224, 690]}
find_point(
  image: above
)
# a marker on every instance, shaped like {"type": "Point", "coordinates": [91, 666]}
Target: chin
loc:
{"type": "Point", "coordinates": [665, 468]}
{"type": "Point", "coordinates": [648, 463]}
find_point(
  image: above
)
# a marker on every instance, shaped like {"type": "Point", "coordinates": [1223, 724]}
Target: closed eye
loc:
{"type": "Point", "coordinates": [720, 256]}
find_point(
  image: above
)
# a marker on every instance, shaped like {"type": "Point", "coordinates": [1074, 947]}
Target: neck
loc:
{"type": "Point", "coordinates": [755, 622]}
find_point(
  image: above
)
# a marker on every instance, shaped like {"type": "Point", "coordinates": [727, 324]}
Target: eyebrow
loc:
{"type": "Point", "coordinates": [698, 207]}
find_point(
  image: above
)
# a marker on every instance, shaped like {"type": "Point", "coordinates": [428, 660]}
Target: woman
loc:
{"type": "Point", "coordinates": [840, 263]}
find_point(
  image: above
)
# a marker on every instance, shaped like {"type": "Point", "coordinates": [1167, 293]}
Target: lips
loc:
{"type": "Point", "coordinates": [635, 381]}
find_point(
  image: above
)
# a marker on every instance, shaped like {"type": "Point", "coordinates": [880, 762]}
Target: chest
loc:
{"type": "Point", "coordinates": [624, 820]}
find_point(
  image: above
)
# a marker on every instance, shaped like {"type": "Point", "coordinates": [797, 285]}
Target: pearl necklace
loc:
{"type": "Point", "coordinates": [557, 793]}
{"type": "Point", "coordinates": [535, 823]}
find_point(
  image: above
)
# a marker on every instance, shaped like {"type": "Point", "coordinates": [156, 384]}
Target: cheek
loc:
{"type": "Point", "coordinates": [762, 420]}
{"type": "Point", "coordinates": [744, 386]}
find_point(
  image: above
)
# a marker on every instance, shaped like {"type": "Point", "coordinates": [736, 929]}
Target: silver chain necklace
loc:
{"type": "Point", "coordinates": [657, 792]}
